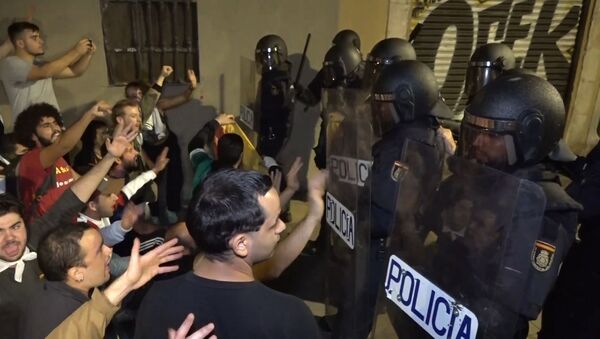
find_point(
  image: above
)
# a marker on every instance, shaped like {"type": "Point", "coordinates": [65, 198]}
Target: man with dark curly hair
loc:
{"type": "Point", "coordinates": [43, 174]}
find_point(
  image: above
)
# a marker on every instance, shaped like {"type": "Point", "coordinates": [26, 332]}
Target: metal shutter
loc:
{"type": "Point", "coordinates": [542, 34]}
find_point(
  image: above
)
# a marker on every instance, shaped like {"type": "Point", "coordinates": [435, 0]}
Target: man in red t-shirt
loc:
{"type": "Point", "coordinates": [43, 174]}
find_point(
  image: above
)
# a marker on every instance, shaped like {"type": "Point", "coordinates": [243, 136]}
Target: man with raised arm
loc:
{"type": "Point", "coordinates": [28, 80]}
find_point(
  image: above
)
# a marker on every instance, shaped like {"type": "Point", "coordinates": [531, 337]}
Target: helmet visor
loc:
{"type": "Point", "coordinates": [373, 68]}
{"type": "Point", "coordinates": [385, 116]}
{"type": "Point", "coordinates": [479, 75]}
{"type": "Point", "coordinates": [268, 60]}
{"type": "Point", "coordinates": [333, 74]}
{"type": "Point", "coordinates": [487, 147]}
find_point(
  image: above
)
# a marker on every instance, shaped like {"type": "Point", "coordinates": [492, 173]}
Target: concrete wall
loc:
{"type": "Point", "coordinates": [368, 18]}
{"type": "Point", "coordinates": [63, 23]}
{"type": "Point", "coordinates": [584, 111]}
{"type": "Point", "coordinates": [228, 29]}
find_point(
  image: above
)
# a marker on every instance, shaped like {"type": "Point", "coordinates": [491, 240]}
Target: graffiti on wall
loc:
{"type": "Point", "coordinates": [541, 33]}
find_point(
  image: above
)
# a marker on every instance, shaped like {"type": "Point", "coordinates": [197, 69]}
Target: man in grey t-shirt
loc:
{"type": "Point", "coordinates": [27, 80]}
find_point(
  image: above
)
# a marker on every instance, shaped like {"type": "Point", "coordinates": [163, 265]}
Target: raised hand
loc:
{"type": "Point", "coordinates": [122, 138]}
{"type": "Point", "coordinates": [142, 269]}
{"type": "Point", "coordinates": [101, 109]}
{"type": "Point", "coordinates": [161, 161]}
{"type": "Point", "coordinates": [185, 327]}
{"type": "Point", "coordinates": [131, 214]}
{"type": "Point", "coordinates": [225, 119]}
{"type": "Point", "coordinates": [192, 78]}
{"type": "Point", "coordinates": [82, 46]}
{"type": "Point", "coordinates": [292, 175]}
{"type": "Point", "coordinates": [316, 189]}
{"type": "Point", "coordinates": [92, 49]}
{"type": "Point", "coordinates": [166, 70]}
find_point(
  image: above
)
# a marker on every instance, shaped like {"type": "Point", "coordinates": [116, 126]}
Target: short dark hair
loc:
{"type": "Point", "coordinates": [119, 107]}
{"type": "Point", "coordinates": [10, 204]}
{"type": "Point", "coordinates": [226, 204]}
{"type": "Point", "coordinates": [19, 27]}
{"type": "Point", "coordinates": [85, 158]}
{"type": "Point", "coordinates": [229, 150]}
{"type": "Point", "coordinates": [137, 84]}
{"type": "Point", "coordinates": [59, 250]}
{"type": "Point", "coordinates": [88, 138]}
{"type": "Point", "coordinates": [28, 120]}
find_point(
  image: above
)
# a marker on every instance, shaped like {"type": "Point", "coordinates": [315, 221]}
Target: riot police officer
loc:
{"type": "Point", "coordinates": [274, 99]}
{"type": "Point", "coordinates": [405, 106]}
{"type": "Point", "coordinates": [512, 124]}
{"type": "Point", "coordinates": [571, 309]}
{"type": "Point", "coordinates": [347, 37]}
{"type": "Point", "coordinates": [384, 53]}
{"type": "Point", "coordinates": [487, 63]}
{"type": "Point", "coordinates": [312, 94]}
{"type": "Point", "coordinates": [342, 68]}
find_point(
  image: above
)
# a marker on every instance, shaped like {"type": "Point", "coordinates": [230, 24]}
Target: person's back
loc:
{"type": "Point", "coordinates": [234, 220]}
{"type": "Point", "coordinates": [238, 309]}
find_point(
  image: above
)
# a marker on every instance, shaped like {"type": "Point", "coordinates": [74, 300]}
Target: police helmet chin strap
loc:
{"type": "Point", "coordinates": [511, 152]}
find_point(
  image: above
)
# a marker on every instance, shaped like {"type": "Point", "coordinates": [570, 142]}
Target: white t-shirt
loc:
{"type": "Point", "coordinates": [22, 92]}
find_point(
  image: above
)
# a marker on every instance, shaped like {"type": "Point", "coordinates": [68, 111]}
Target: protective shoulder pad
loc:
{"type": "Point", "coordinates": [557, 199]}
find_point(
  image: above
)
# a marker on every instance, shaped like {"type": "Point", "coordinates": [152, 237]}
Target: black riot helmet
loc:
{"type": "Point", "coordinates": [513, 122]}
{"type": "Point", "coordinates": [384, 53]}
{"type": "Point", "coordinates": [407, 91]}
{"type": "Point", "coordinates": [486, 64]}
{"type": "Point", "coordinates": [347, 37]}
{"type": "Point", "coordinates": [341, 66]}
{"type": "Point", "coordinates": [271, 53]}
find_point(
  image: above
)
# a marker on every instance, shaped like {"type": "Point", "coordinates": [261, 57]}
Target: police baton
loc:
{"type": "Point", "coordinates": [302, 60]}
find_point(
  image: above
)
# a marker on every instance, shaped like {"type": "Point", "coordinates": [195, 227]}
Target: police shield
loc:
{"type": "Point", "coordinates": [347, 211]}
{"type": "Point", "coordinates": [460, 255]}
{"type": "Point", "coordinates": [251, 160]}
{"type": "Point", "coordinates": [249, 116]}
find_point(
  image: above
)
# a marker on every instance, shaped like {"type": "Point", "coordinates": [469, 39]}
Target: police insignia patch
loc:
{"type": "Point", "coordinates": [542, 255]}
{"type": "Point", "coordinates": [398, 171]}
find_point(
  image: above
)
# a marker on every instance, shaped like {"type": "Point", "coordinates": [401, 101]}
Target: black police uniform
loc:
{"type": "Point", "coordinates": [275, 105]}
{"type": "Point", "coordinates": [571, 309]}
{"type": "Point", "coordinates": [386, 152]}
{"type": "Point", "coordinates": [415, 123]}
{"type": "Point", "coordinates": [342, 68]}
{"type": "Point", "coordinates": [383, 54]}
{"type": "Point", "coordinates": [529, 111]}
